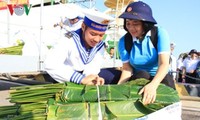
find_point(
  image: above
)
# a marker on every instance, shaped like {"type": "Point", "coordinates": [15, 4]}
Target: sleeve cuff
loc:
{"type": "Point", "coordinates": [76, 77]}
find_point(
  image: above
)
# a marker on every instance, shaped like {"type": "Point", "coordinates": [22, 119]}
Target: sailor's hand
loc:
{"type": "Point", "coordinates": [98, 81]}
{"type": "Point", "coordinates": [92, 80]}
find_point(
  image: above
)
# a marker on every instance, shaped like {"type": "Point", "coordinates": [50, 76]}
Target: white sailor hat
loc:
{"type": "Point", "coordinates": [97, 20]}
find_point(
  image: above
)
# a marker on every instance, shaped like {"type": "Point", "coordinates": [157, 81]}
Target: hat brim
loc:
{"type": "Point", "coordinates": [128, 15]}
{"type": "Point", "coordinates": [194, 53]}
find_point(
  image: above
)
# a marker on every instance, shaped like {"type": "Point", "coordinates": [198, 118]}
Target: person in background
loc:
{"type": "Point", "coordinates": [78, 57]}
{"type": "Point", "coordinates": [172, 61]}
{"type": "Point", "coordinates": [106, 54]}
{"type": "Point", "coordinates": [112, 52]}
{"type": "Point", "coordinates": [71, 22]}
{"type": "Point", "coordinates": [144, 60]}
{"type": "Point", "coordinates": [189, 67]}
{"type": "Point", "coordinates": [181, 57]}
{"type": "Point", "coordinates": [198, 72]}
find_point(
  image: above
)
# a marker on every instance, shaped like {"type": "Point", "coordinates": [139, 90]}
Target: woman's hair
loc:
{"type": "Point", "coordinates": [148, 26]}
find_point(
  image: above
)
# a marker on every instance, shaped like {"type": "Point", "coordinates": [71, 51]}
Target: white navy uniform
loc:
{"type": "Point", "coordinates": [69, 60]}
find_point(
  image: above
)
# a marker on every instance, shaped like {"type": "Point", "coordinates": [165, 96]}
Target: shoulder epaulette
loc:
{"type": "Point", "coordinates": [68, 34]}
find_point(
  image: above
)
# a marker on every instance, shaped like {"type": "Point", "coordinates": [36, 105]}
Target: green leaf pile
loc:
{"type": "Point", "coordinates": [69, 101]}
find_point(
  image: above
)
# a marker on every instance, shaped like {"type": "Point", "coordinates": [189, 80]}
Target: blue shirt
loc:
{"type": "Point", "coordinates": [143, 55]}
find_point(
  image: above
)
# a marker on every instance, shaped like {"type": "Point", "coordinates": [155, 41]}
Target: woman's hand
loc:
{"type": "Point", "coordinates": [149, 90]}
{"type": "Point", "coordinates": [92, 80]}
{"type": "Point", "coordinates": [149, 93]}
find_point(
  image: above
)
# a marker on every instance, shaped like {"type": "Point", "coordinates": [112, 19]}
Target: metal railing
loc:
{"type": "Point", "coordinates": [178, 72]}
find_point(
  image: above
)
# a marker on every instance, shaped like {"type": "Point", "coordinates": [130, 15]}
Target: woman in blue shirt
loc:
{"type": "Point", "coordinates": [144, 60]}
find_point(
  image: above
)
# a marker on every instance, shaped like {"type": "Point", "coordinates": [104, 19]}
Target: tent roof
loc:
{"type": "Point", "coordinates": [114, 3]}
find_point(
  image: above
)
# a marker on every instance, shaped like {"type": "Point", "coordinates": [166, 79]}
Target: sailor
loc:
{"type": "Point", "coordinates": [71, 22]}
{"type": "Point", "coordinates": [74, 21]}
{"type": "Point", "coordinates": [172, 61]}
{"type": "Point", "coordinates": [78, 57]}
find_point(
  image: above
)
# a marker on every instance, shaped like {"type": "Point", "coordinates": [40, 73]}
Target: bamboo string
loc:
{"type": "Point", "coordinates": [99, 105]}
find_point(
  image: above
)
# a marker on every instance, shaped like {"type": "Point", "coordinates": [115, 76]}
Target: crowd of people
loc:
{"type": "Point", "coordinates": [78, 56]}
{"type": "Point", "coordinates": [187, 67]}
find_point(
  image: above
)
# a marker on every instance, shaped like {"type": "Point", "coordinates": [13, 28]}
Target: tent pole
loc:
{"type": "Point", "coordinates": [52, 2]}
{"type": "Point", "coordinates": [115, 33]}
{"type": "Point", "coordinates": [8, 25]}
{"type": "Point", "coordinates": [41, 29]}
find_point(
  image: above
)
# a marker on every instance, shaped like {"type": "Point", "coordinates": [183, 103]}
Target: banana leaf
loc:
{"type": "Point", "coordinates": [68, 111]}
{"type": "Point", "coordinates": [28, 111]}
{"type": "Point", "coordinates": [126, 110]}
{"type": "Point", "coordinates": [28, 116]}
{"type": "Point", "coordinates": [81, 93]}
{"type": "Point", "coordinates": [73, 101]}
{"type": "Point", "coordinates": [128, 91]}
{"type": "Point", "coordinates": [120, 110]}
{"type": "Point", "coordinates": [8, 110]}
{"type": "Point", "coordinates": [14, 50]}
{"type": "Point", "coordinates": [71, 93]}
{"type": "Point", "coordinates": [35, 93]}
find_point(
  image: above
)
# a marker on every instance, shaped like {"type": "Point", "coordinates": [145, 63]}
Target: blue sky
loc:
{"type": "Point", "coordinates": [181, 18]}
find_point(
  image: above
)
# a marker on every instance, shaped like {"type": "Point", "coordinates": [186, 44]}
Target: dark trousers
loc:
{"type": "Point", "coordinates": [48, 78]}
{"type": "Point", "coordinates": [190, 78]}
{"type": "Point", "coordinates": [168, 80]}
{"type": "Point", "coordinates": [180, 76]}
{"type": "Point", "coordinates": [110, 75]}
